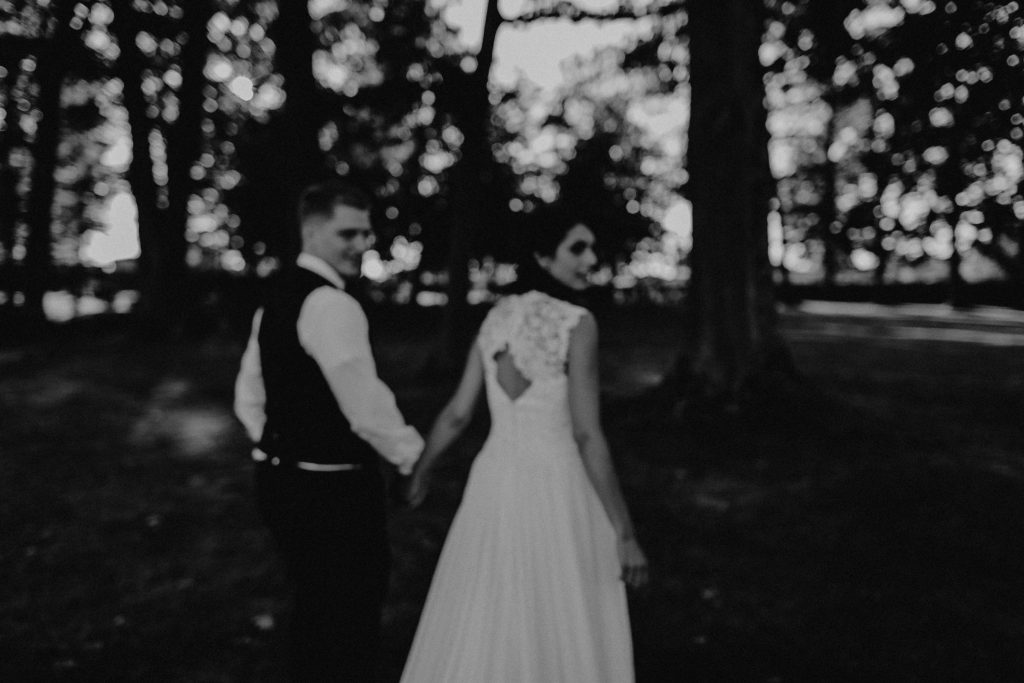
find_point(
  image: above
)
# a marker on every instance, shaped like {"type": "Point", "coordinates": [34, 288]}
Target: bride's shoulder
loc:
{"type": "Point", "coordinates": [501, 315]}
{"type": "Point", "coordinates": [557, 311]}
{"type": "Point", "coordinates": [503, 308]}
{"type": "Point", "coordinates": [534, 308]}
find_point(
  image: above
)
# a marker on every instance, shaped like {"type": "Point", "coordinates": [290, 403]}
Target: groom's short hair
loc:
{"type": "Point", "coordinates": [319, 199]}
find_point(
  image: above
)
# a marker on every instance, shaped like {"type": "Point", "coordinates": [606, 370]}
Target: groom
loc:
{"type": "Point", "coordinates": [309, 397]}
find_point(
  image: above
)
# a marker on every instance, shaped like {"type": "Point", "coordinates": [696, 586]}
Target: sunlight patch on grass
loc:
{"type": "Point", "coordinates": [186, 432]}
{"type": "Point", "coordinates": [52, 394]}
{"type": "Point", "coordinates": [185, 428]}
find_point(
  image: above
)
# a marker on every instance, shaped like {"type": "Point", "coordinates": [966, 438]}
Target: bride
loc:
{"type": "Point", "coordinates": [530, 584]}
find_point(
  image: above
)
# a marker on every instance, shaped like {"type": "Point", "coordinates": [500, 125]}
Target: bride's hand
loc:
{"type": "Point", "coordinates": [416, 489]}
{"type": "Point", "coordinates": [634, 563]}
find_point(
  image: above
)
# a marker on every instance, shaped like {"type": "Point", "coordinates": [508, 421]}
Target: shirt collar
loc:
{"type": "Point", "coordinates": [317, 265]}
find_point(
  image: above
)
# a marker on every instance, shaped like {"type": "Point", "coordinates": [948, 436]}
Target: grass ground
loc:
{"type": "Point", "coordinates": [867, 527]}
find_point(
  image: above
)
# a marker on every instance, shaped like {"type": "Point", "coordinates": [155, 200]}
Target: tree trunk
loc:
{"type": "Point", "coordinates": [467, 213]}
{"type": "Point", "coordinates": [184, 144]}
{"type": "Point", "coordinates": [467, 198]}
{"type": "Point", "coordinates": [51, 70]}
{"type": "Point", "coordinates": [878, 283]}
{"type": "Point", "coordinates": [731, 339]}
{"type": "Point", "coordinates": [297, 126]}
{"type": "Point", "coordinates": [827, 214]}
{"type": "Point", "coordinates": [957, 292]}
{"type": "Point", "coordinates": [10, 202]}
{"type": "Point", "coordinates": [153, 259]}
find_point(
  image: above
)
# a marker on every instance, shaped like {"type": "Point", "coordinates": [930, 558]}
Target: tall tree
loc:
{"type": "Point", "coordinates": [184, 144]}
{"type": "Point", "coordinates": [10, 201]}
{"type": "Point", "coordinates": [163, 207]}
{"type": "Point", "coordinates": [470, 172]}
{"type": "Point", "coordinates": [815, 31]}
{"type": "Point", "coordinates": [131, 68]}
{"type": "Point", "coordinates": [297, 127]}
{"type": "Point", "coordinates": [732, 336]}
{"type": "Point", "coordinates": [54, 60]}
{"type": "Point", "coordinates": [472, 184]}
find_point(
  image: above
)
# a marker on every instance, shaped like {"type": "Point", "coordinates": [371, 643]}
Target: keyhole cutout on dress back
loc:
{"type": "Point", "coordinates": [509, 378]}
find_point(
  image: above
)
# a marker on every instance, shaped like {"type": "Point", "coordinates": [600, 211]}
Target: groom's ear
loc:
{"type": "Point", "coordinates": [308, 227]}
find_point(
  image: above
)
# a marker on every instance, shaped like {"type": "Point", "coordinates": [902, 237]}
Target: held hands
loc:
{"type": "Point", "coordinates": [634, 563]}
{"type": "Point", "coordinates": [417, 487]}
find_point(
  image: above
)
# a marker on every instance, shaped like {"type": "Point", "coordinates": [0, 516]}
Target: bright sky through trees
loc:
{"type": "Point", "coordinates": [536, 51]}
{"type": "Point", "coordinates": [121, 238]}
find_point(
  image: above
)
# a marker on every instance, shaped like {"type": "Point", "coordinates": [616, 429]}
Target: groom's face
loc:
{"type": "Point", "coordinates": [340, 239]}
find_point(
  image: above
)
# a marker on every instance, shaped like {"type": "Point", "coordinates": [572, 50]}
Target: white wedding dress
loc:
{"type": "Point", "coordinates": [527, 587]}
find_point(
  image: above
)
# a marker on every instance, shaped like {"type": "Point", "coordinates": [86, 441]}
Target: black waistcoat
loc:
{"type": "Point", "coordinates": [304, 421]}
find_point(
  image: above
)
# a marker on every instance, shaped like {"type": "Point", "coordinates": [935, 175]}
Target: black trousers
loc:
{"type": "Point", "coordinates": [330, 528]}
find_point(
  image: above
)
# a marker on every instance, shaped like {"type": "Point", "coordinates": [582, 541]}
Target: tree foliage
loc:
{"type": "Point", "coordinates": [895, 136]}
{"type": "Point", "coordinates": [932, 168]}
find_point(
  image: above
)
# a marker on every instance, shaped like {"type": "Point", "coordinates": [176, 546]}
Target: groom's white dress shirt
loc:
{"type": "Point", "coordinates": [333, 330]}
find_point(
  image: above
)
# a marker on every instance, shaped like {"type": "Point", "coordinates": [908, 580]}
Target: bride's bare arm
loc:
{"type": "Point", "coordinates": [584, 404]}
{"type": "Point", "coordinates": [449, 424]}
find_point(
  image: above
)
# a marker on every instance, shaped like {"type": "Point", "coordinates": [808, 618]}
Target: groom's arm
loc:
{"type": "Point", "coordinates": [250, 393]}
{"type": "Point", "coordinates": [334, 331]}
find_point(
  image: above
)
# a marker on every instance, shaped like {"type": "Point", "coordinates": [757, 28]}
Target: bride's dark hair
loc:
{"type": "Point", "coordinates": [547, 227]}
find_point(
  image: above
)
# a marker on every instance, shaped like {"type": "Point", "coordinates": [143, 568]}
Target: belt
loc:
{"type": "Point", "coordinates": [260, 456]}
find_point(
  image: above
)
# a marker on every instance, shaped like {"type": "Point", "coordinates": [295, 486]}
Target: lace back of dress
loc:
{"type": "Point", "coordinates": [526, 339]}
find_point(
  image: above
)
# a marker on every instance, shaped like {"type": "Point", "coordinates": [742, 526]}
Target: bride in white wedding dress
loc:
{"type": "Point", "coordinates": [530, 584]}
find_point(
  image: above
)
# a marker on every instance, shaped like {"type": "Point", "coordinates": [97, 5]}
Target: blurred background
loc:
{"type": "Point", "coordinates": [152, 144]}
{"type": "Point", "coordinates": [811, 297]}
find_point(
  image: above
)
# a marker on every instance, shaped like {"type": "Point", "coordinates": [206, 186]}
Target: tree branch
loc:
{"type": "Point", "coordinates": [567, 10]}
{"type": "Point", "coordinates": [15, 48]}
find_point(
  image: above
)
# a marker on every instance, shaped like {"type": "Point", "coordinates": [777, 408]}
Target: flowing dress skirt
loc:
{"type": "Point", "coordinates": [527, 586]}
